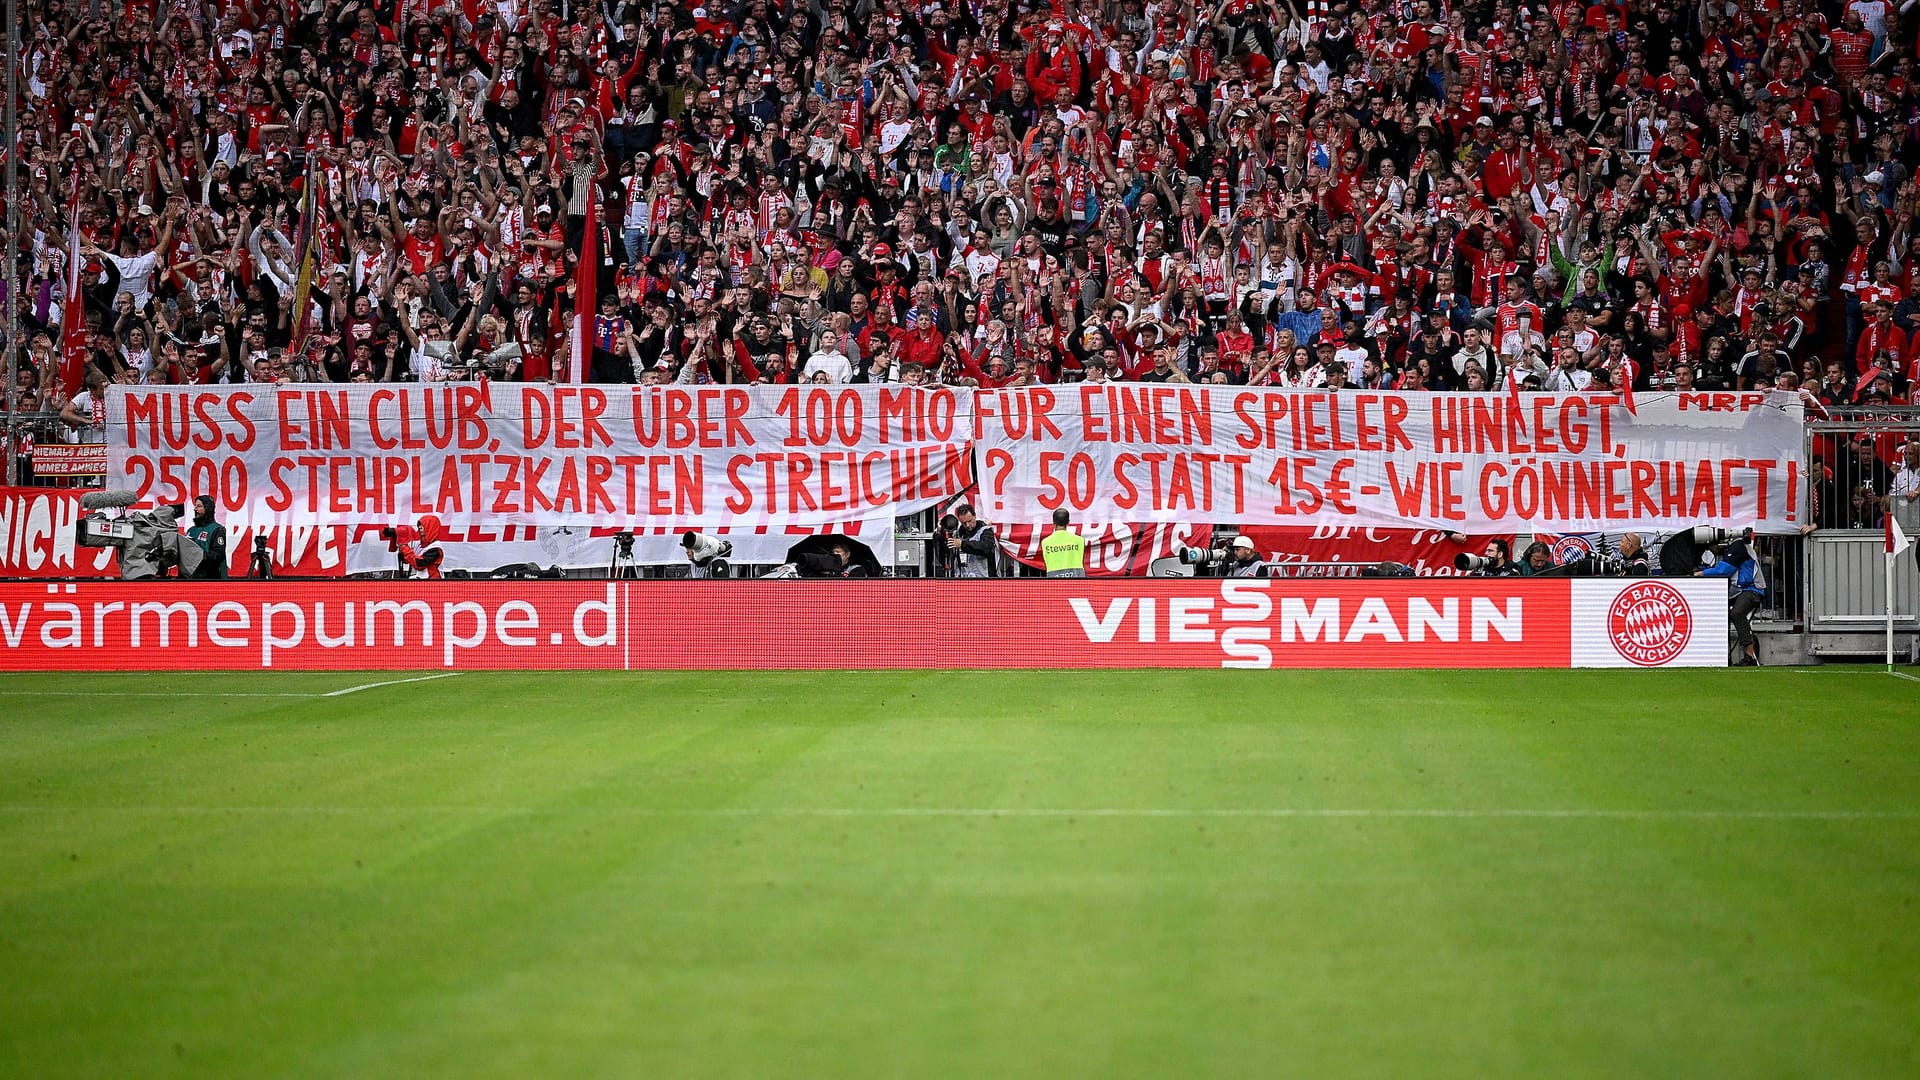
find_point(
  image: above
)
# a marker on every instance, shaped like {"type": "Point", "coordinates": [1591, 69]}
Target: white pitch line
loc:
{"type": "Point", "coordinates": [4, 693]}
{"type": "Point", "coordinates": [1904, 675]}
{"type": "Point", "coordinates": [141, 694]}
{"type": "Point", "coordinates": [390, 682]}
{"type": "Point", "coordinates": [1255, 813]}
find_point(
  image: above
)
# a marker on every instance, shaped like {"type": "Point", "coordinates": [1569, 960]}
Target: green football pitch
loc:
{"type": "Point", "coordinates": [1634, 874]}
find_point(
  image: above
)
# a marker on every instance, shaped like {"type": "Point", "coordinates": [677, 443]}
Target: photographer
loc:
{"type": "Point", "coordinates": [1495, 561]}
{"type": "Point", "coordinates": [972, 545]}
{"type": "Point", "coordinates": [1633, 560]}
{"type": "Point", "coordinates": [1537, 560]}
{"type": "Point", "coordinates": [1245, 560]}
{"type": "Point", "coordinates": [211, 536]}
{"type": "Point", "coordinates": [1734, 561]}
{"type": "Point", "coordinates": [706, 555]}
{"type": "Point", "coordinates": [418, 548]}
{"type": "Point", "coordinates": [835, 562]}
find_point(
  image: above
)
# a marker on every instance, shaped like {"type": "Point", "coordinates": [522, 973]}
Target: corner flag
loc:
{"type": "Point", "coordinates": [1897, 542]}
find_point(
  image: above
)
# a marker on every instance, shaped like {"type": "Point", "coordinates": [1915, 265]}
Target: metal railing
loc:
{"type": "Point", "coordinates": [1318, 570]}
{"type": "Point", "coordinates": [33, 429]}
{"type": "Point", "coordinates": [1851, 456]}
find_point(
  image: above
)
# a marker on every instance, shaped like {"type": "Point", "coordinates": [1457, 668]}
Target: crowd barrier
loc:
{"type": "Point", "coordinates": [647, 625]}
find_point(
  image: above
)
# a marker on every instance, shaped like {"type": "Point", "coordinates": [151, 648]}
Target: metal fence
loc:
{"type": "Point", "coordinates": [43, 429]}
{"type": "Point", "coordinates": [1838, 566]}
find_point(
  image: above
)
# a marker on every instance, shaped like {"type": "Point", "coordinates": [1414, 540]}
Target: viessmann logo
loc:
{"type": "Point", "coordinates": [1650, 623]}
{"type": "Point", "coordinates": [1245, 618]}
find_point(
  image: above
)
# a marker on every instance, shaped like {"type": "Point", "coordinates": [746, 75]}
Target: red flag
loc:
{"type": "Point", "coordinates": [1514, 379]}
{"type": "Point", "coordinates": [586, 280]}
{"type": "Point", "coordinates": [1628, 372]}
{"type": "Point", "coordinates": [73, 339]}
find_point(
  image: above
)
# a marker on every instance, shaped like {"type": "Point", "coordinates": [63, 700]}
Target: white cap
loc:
{"type": "Point", "coordinates": [1876, 177]}
{"type": "Point", "coordinates": [699, 13]}
{"type": "Point", "coordinates": [1243, 542]}
{"type": "Point", "coordinates": [544, 208]}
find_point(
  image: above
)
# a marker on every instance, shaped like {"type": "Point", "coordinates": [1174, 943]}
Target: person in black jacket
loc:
{"type": "Point", "coordinates": [1633, 560]}
{"type": "Point", "coordinates": [835, 562]}
{"type": "Point", "coordinates": [1497, 561]}
{"type": "Point", "coordinates": [973, 546]}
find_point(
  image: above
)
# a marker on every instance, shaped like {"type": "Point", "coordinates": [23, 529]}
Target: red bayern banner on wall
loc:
{"type": "Point", "coordinates": [1038, 623]}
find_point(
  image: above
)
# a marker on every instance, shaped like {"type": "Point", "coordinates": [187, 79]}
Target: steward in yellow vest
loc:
{"type": "Point", "coordinates": [1064, 552]}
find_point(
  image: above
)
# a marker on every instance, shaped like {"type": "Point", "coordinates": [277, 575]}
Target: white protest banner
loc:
{"type": "Point", "coordinates": [538, 454]}
{"type": "Point", "coordinates": [1474, 463]}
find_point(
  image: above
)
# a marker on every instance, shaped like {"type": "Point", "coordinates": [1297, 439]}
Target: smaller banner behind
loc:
{"type": "Point", "coordinates": [1472, 463]}
{"type": "Point", "coordinates": [1038, 623]}
{"type": "Point", "coordinates": [1112, 550]}
{"type": "Point", "coordinates": [536, 454]}
{"type": "Point", "coordinates": [1429, 552]}
{"type": "Point", "coordinates": [69, 459]}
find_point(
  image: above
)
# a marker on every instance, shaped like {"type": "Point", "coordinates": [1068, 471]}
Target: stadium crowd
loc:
{"type": "Point", "coordinates": [1407, 194]}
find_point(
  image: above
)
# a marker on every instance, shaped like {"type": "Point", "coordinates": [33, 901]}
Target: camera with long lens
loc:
{"type": "Point", "coordinates": [708, 554]}
{"type": "Point", "coordinates": [1600, 564]}
{"type": "Point", "coordinates": [1205, 560]}
{"type": "Point", "coordinates": [1681, 555]}
{"type": "Point", "coordinates": [1708, 536]}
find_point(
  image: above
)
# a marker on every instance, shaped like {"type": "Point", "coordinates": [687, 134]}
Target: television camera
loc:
{"type": "Point", "coordinates": [149, 541]}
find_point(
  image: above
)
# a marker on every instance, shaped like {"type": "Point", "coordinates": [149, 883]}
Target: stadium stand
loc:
{"type": "Point", "coordinates": [1426, 195]}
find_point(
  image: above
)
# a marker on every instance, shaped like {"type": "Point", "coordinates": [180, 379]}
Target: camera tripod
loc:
{"type": "Point", "coordinates": [260, 567]}
{"type": "Point", "coordinates": [622, 565]}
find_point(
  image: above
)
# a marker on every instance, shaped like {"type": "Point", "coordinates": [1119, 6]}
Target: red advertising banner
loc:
{"type": "Point", "coordinates": [538, 454]}
{"type": "Point", "coordinates": [1474, 463]}
{"type": "Point", "coordinates": [1038, 623]}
